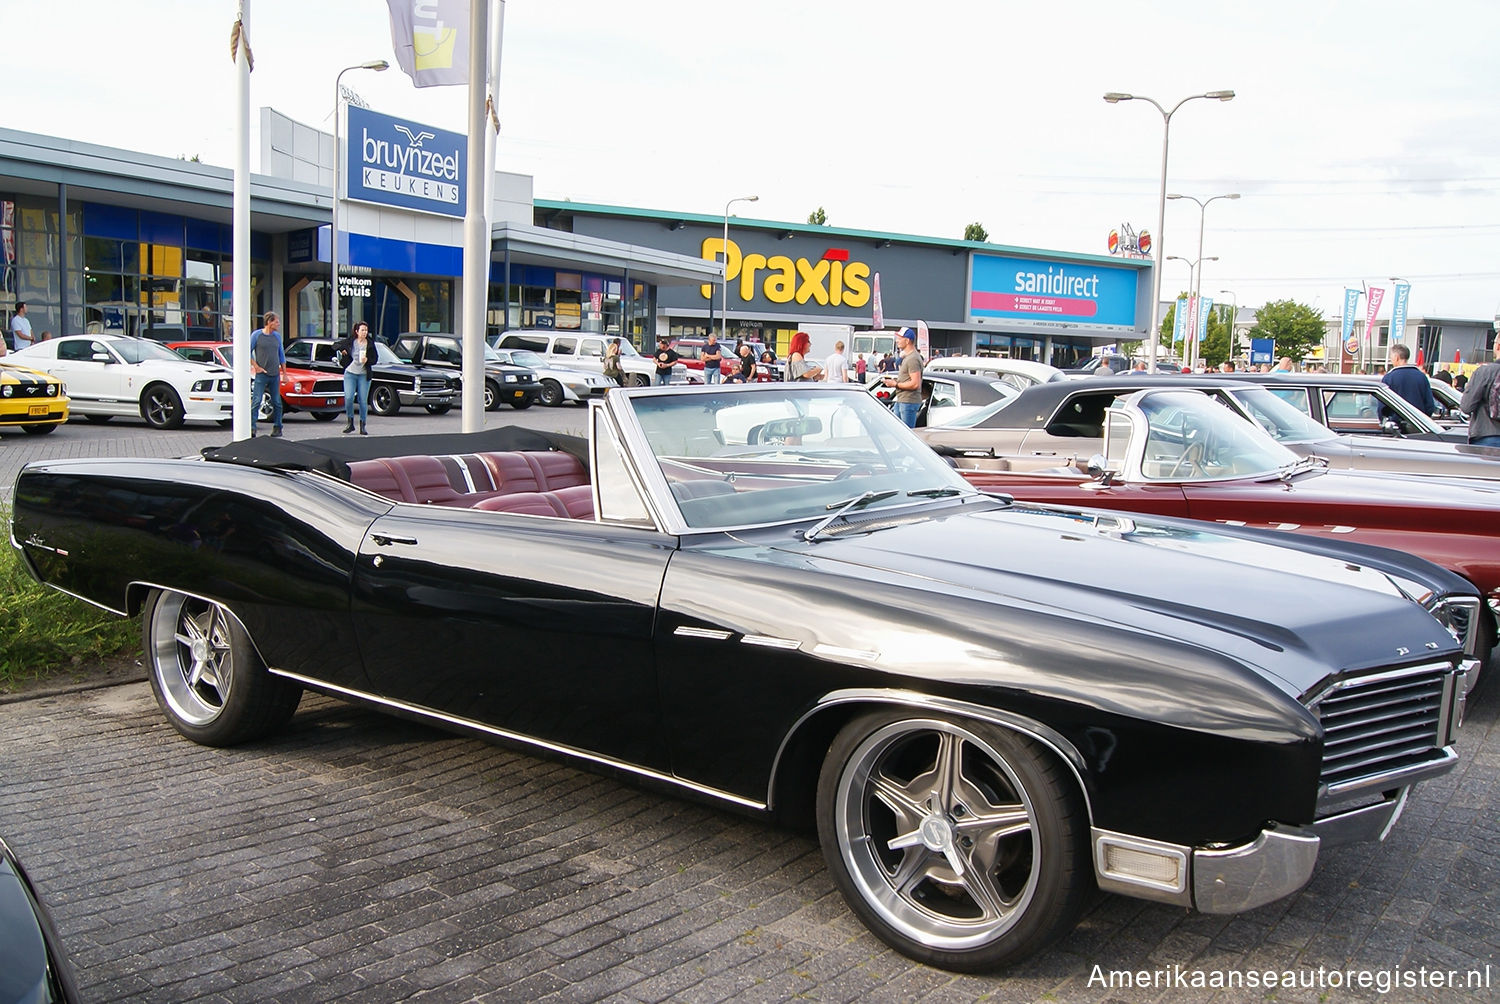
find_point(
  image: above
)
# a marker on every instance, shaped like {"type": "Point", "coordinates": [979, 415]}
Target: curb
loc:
{"type": "Point", "coordinates": [72, 688]}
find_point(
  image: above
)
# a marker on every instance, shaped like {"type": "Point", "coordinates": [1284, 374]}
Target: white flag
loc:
{"type": "Point", "coordinates": [431, 39]}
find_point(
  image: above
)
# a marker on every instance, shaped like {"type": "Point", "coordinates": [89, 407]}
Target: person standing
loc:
{"type": "Point", "coordinates": [614, 369]}
{"type": "Point", "coordinates": [861, 367]}
{"type": "Point", "coordinates": [713, 358]}
{"type": "Point", "coordinates": [836, 366]}
{"type": "Point", "coordinates": [908, 380]}
{"type": "Point", "coordinates": [797, 366]}
{"type": "Point", "coordinates": [666, 359]}
{"type": "Point", "coordinates": [267, 356]}
{"type": "Point", "coordinates": [1484, 426]}
{"type": "Point", "coordinates": [1408, 381]}
{"type": "Point", "coordinates": [20, 328]}
{"type": "Point", "coordinates": [357, 354]}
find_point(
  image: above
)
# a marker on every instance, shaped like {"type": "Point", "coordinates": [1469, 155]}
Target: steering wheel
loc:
{"type": "Point", "coordinates": [1192, 459]}
{"type": "Point", "coordinates": [857, 470]}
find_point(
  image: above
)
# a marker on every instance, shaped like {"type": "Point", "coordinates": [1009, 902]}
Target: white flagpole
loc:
{"type": "Point", "coordinates": [476, 232]}
{"type": "Point", "coordinates": [241, 294]}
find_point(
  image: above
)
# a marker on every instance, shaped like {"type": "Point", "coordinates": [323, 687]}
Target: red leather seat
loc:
{"type": "Point", "coordinates": [521, 503]}
{"type": "Point", "coordinates": [378, 477]}
{"type": "Point", "coordinates": [427, 479]}
{"type": "Point", "coordinates": [577, 502]}
{"type": "Point", "coordinates": [557, 470]}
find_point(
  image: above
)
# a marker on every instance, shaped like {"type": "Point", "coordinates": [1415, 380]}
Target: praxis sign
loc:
{"type": "Point", "coordinates": [399, 163]}
{"type": "Point", "coordinates": [1033, 292]}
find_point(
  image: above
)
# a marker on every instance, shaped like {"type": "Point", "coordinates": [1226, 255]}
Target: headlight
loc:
{"type": "Point", "coordinates": [416, 385]}
{"type": "Point", "coordinates": [296, 386]}
{"type": "Point", "coordinates": [226, 385]}
{"type": "Point", "coordinates": [52, 390]}
{"type": "Point", "coordinates": [202, 386]}
{"type": "Point", "coordinates": [7, 390]}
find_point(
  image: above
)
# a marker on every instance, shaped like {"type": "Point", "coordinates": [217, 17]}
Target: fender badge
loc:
{"type": "Point", "coordinates": [1402, 650]}
{"type": "Point", "coordinates": [35, 541]}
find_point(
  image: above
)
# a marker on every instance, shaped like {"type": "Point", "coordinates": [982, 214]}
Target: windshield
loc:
{"type": "Point", "coordinates": [138, 350]}
{"type": "Point", "coordinates": [626, 349]}
{"type": "Point", "coordinates": [526, 357]}
{"type": "Point", "coordinates": [738, 458]}
{"type": "Point", "coordinates": [1283, 422]}
{"type": "Point", "coordinates": [384, 354]}
{"type": "Point", "coordinates": [974, 419]}
{"type": "Point", "coordinates": [1189, 438]}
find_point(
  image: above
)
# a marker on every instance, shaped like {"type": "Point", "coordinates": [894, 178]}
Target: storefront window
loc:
{"type": "Point", "coordinates": [435, 305]}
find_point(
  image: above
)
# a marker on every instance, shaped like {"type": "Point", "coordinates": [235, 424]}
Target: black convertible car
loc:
{"type": "Point", "coordinates": [776, 598]}
{"type": "Point", "coordinates": [34, 969]}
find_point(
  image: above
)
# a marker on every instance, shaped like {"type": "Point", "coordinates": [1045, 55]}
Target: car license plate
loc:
{"type": "Point", "coordinates": [37, 409]}
{"type": "Point", "coordinates": [330, 401]}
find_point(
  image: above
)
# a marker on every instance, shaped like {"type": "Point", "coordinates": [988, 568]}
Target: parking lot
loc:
{"type": "Point", "coordinates": [360, 857]}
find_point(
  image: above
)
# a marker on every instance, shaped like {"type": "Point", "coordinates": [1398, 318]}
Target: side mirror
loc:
{"type": "Point", "coordinates": [1391, 427]}
{"type": "Point", "coordinates": [102, 357]}
{"type": "Point", "coordinates": [1099, 471]}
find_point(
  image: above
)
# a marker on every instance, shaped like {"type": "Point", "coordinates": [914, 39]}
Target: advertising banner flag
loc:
{"type": "Point", "coordinates": [1351, 303]}
{"type": "Point", "coordinates": [1372, 309]}
{"type": "Point", "coordinates": [924, 340]}
{"type": "Point", "coordinates": [431, 40]}
{"type": "Point", "coordinates": [879, 310]}
{"type": "Point", "coordinates": [1191, 330]}
{"type": "Point", "coordinates": [1204, 309]}
{"type": "Point", "coordinates": [1179, 319]}
{"type": "Point", "coordinates": [1399, 294]}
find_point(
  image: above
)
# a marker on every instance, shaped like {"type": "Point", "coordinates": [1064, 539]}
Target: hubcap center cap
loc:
{"type": "Point", "coordinates": [200, 650]}
{"type": "Point", "coordinates": [937, 834]}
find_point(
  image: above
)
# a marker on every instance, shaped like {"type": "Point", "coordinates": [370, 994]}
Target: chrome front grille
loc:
{"type": "Point", "coordinates": [328, 386]}
{"type": "Point", "coordinates": [1381, 729]}
{"type": "Point", "coordinates": [429, 384]}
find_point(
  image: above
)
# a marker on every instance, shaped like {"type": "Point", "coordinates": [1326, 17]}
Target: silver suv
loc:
{"type": "Point", "coordinates": [584, 351]}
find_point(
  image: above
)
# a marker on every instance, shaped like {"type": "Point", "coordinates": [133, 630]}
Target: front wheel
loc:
{"type": "Point", "coordinates": [491, 396]}
{"type": "Point", "coordinates": [206, 675]}
{"type": "Point", "coordinates": [960, 844]}
{"type": "Point", "coordinates": [384, 400]}
{"type": "Point", "coordinates": [438, 409]}
{"type": "Point", "coordinates": [40, 429]}
{"type": "Point", "coordinates": [161, 407]}
{"type": "Point", "coordinates": [552, 393]}
{"type": "Point", "coordinates": [639, 380]}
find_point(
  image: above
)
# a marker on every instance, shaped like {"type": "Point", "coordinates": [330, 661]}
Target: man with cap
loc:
{"type": "Point", "coordinates": [908, 379]}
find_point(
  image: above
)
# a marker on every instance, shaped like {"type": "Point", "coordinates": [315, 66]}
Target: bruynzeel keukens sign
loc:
{"type": "Point", "coordinates": [399, 163]}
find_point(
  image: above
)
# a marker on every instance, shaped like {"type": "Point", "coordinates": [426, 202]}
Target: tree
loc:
{"type": "Point", "coordinates": [976, 232]}
{"type": "Point", "coordinates": [817, 217]}
{"type": "Point", "coordinates": [1294, 328]}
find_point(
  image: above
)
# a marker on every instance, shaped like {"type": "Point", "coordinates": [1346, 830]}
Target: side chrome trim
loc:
{"type": "Point", "coordinates": [713, 634]}
{"type": "Point", "coordinates": [1367, 823]}
{"type": "Point", "coordinates": [1234, 879]}
{"type": "Point", "coordinates": [516, 737]}
{"type": "Point", "coordinates": [768, 641]}
{"type": "Point", "coordinates": [927, 703]}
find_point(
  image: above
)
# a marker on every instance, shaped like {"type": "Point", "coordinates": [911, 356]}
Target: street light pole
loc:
{"type": "Point", "coordinates": [1234, 315]}
{"type": "Point", "coordinates": [1195, 271]}
{"type": "Point", "coordinates": [333, 231]}
{"type": "Point", "coordinates": [724, 279]}
{"type": "Point", "coordinates": [1198, 286]}
{"type": "Point", "coordinates": [1115, 97]}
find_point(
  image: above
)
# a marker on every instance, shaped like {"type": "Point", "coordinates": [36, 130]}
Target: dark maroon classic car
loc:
{"type": "Point", "coordinates": [1178, 453]}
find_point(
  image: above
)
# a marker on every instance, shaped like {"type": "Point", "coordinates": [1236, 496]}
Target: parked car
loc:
{"type": "Point", "coordinates": [775, 598]}
{"type": "Point", "coordinates": [1354, 404]}
{"type": "Point", "coordinates": [560, 384]}
{"type": "Point", "coordinates": [109, 375]}
{"type": "Point", "coordinates": [30, 398]}
{"type": "Point", "coordinates": [36, 969]}
{"type": "Point", "coordinates": [318, 394]}
{"type": "Point", "coordinates": [1063, 423]}
{"type": "Point", "coordinates": [1450, 413]}
{"type": "Point", "coordinates": [1019, 373]}
{"type": "Point", "coordinates": [947, 396]}
{"type": "Point", "coordinates": [504, 383]}
{"type": "Point", "coordinates": [1117, 364]}
{"type": "Point", "coordinates": [1177, 453]}
{"type": "Point", "coordinates": [584, 351]}
{"type": "Point", "coordinates": [393, 383]}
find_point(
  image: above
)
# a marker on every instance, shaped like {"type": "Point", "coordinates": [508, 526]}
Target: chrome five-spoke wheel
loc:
{"type": "Point", "coordinates": [207, 676]}
{"type": "Point", "coordinates": [958, 843]}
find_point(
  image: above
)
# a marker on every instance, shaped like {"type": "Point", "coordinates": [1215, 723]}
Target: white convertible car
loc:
{"type": "Point", "coordinates": [109, 375]}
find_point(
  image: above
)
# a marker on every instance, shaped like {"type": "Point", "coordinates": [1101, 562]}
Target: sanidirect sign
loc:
{"type": "Point", "coordinates": [399, 163]}
{"type": "Point", "coordinates": [1040, 293]}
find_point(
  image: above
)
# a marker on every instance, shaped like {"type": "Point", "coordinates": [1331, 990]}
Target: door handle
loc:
{"type": "Point", "coordinates": [384, 538]}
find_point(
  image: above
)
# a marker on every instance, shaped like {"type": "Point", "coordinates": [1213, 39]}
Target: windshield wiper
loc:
{"type": "Point", "coordinates": [1305, 464]}
{"type": "Point", "coordinates": [939, 493]}
{"type": "Point", "coordinates": [846, 506]}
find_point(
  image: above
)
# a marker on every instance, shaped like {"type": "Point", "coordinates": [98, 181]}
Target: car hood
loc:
{"type": "Point", "coordinates": [22, 373]}
{"type": "Point", "coordinates": [191, 370]}
{"type": "Point", "coordinates": [410, 370]}
{"type": "Point", "coordinates": [1291, 613]}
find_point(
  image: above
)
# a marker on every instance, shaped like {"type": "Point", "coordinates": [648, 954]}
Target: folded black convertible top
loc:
{"type": "Point", "coordinates": [333, 455]}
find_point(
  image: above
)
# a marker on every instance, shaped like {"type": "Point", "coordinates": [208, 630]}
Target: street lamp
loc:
{"type": "Point", "coordinates": [1195, 265]}
{"type": "Point", "coordinates": [1234, 315]}
{"type": "Point", "coordinates": [1114, 98]}
{"type": "Point", "coordinates": [333, 231]}
{"type": "Point", "coordinates": [1202, 212]}
{"type": "Point", "coordinates": [724, 280]}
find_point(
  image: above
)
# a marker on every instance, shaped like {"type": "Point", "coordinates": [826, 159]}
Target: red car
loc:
{"type": "Point", "coordinates": [691, 351]}
{"type": "Point", "coordinates": [319, 394]}
{"type": "Point", "coordinates": [1177, 453]}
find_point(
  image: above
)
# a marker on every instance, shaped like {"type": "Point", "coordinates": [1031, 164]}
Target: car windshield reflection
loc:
{"type": "Point", "coordinates": [1283, 422]}
{"type": "Point", "coordinates": [739, 458]}
{"type": "Point", "coordinates": [975, 419]}
{"type": "Point", "coordinates": [1188, 438]}
{"type": "Point", "coordinates": [136, 350]}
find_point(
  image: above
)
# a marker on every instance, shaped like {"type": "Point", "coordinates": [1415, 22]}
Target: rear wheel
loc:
{"type": "Point", "coordinates": [552, 393]}
{"type": "Point", "coordinates": [960, 844]}
{"type": "Point", "coordinates": [639, 380]}
{"type": "Point", "coordinates": [438, 409]}
{"type": "Point", "coordinates": [384, 400]}
{"type": "Point", "coordinates": [491, 396]}
{"type": "Point", "coordinates": [161, 407]}
{"type": "Point", "coordinates": [206, 675]}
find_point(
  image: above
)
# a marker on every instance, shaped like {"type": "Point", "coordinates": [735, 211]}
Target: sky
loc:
{"type": "Point", "coordinates": [1364, 138]}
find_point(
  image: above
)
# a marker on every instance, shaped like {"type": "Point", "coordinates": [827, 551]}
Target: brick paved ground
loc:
{"type": "Point", "coordinates": [358, 857]}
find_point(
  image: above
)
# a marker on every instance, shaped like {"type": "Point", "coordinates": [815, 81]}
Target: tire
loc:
{"type": "Point", "coordinates": [521, 404]}
{"type": "Point", "coordinates": [638, 380]}
{"type": "Point", "coordinates": [1023, 848]}
{"type": "Point", "coordinates": [263, 410]}
{"type": "Point", "coordinates": [206, 675]}
{"type": "Point", "coordinates": [438, 409]}
{"type": "Point", "coordinates": [40, 429]}
{"type": "Point", "coordinates": [225, 423]}
{"type": "Point", "coordinates": [161, 407]}
{"type": "Point", "coordinates": [384, 400]}
{"type": "Point", "coordinates": [552, 393]}
{"type": "Point", "coordinates": [325, 416]}
{"type": "Point", "coordinates": [491, 396]}
{"type": "Point", "coordinates": [98, 419]}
